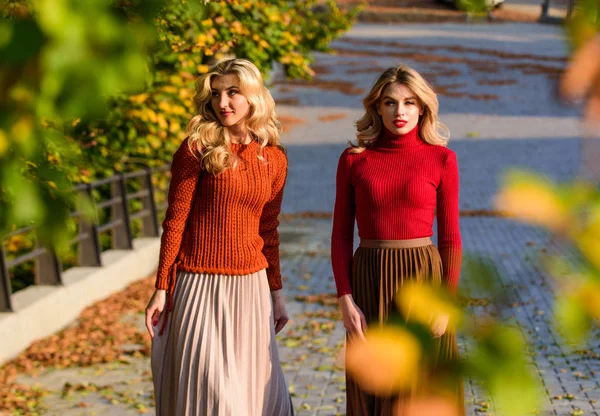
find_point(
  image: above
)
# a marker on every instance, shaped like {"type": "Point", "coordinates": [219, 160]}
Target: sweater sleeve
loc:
{"type": "Point", "coordinates": [185, 171]}
{"type": "Point", "coordinates": [269, 221]}
{"type": "Point", "coordinates": [449, 240]}
{"type": "Point", "coordinates": [342, 235]}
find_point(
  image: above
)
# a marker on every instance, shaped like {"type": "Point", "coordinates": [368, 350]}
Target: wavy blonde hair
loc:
{"type": "Point", "coordinates": [370, 125]}
{"type": "Point", "coordinates": [209, 138]}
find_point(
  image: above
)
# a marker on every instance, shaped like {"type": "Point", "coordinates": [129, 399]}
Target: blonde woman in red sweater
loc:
{"type": "Point", "coordinates": [218, 304]}
{"type": "Point", "coordinates": [394, 181]}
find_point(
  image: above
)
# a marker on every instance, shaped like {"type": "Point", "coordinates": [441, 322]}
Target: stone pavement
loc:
{"type": "Point", "coordinates": [496, 84]}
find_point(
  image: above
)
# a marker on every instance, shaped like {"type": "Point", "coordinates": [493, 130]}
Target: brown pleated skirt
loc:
{"type": "Point", "coordinates": [379, 269]}
{"type": "Point", "coordinates": [218, 354]}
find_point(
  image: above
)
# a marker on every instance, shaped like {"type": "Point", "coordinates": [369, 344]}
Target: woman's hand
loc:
{"type": "Point", "coordinates": [439, 325]}
{"type": "Point", "coordinates": [154, 309]}
{"type": "Point", "coordinates": [354, 320]}
{"type": "Point", "coordinates": [280, 314]}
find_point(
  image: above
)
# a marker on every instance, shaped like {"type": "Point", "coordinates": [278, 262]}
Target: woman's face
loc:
{"type": "Point", "coordinates": [227, 101]}
{"type": "Point", "coordinates": [399, 109]}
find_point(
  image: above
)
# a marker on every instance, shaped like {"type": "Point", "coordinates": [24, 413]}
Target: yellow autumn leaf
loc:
{"type": "Point", "coordinates": [588, 295]}
{"type": "Point", "coordinates": [169, 89]}
{"type": "Point", "coordinates": [533, 200]}
{"type": "Point", "coordinates": [179, 110]}
{"type": "Point", "coordinates": [174, 127]}
{"type": "Point", "coordinates": [3, 142]}
{"type": "Point", "coordinates": [184, 93]}
{"type": "Point", "coordinates": [293, 40]}
{"type": "Point", "coordinates": [589, 245]}
{"type": "Point", "coordinates": [427, 406]}
{"type": "Point", "coordinates": [175, 80]}
{"type": "Point", "coordinates": [22, 129]}
{"type": "Point", "coordinates": [422, 303]}
{"type": "Point", "coordinates": [387, 362]}
{"type": "Point", "coordinates": [224, 50]}
{"type": "Point", "coordinates": [273, 17]}
{"type": "Point", "coordinates": [151, 115]}
{"type": "Point", "coordinates": [202, 69]}
{"type": "Point", "coordinates": [14, 243]}
{"type": "Point", "coordinates": [201, 40]}
{"type": "Point", "coordinates": [162, 122]}
{"type": "Point", "coordinates": [154, 141]}
{"type": "Point", "coordinates": [138, 99]}
{"type": "Point", "coordinates": [236, 27]}
{"type": "Point", "coordinates": [164, 107]}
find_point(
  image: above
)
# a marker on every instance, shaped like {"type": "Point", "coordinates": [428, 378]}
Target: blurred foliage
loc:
{"type": "Point", "coordinates": [584, 22]}
{"type": "Point", "coordinates": [58, 71]}
{"type": "Point", "coordinates": [473, 6]}
{"type": "Point", "coordinates": [576, 268]}
{"type": "Point", "coordinates": [89, 89]}
{"type": "Point", "coordinates": [147, 128]}
{"type": "Point", "coordinates": [401, 351]}
{"type": "Point", "coordinates": [581, 82]}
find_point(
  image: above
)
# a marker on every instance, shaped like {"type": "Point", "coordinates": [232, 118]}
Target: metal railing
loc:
{"type": "Point", "coordinates": [545, 17]}
{"type": "Point", "coordinates": [48, 267]}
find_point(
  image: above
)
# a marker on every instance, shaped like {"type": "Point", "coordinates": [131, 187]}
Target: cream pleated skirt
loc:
{"type": "Point", "coordinates": [218, 354]}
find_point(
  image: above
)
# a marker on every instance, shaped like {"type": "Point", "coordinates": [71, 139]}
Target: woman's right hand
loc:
{"type": "Point", "coordinates": [154, 309]}
{"type": "Point", "coordinates": [354, 320]}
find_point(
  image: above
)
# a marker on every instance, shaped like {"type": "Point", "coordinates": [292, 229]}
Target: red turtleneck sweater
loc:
{"type": "Point", "coordinates": [394, 189]}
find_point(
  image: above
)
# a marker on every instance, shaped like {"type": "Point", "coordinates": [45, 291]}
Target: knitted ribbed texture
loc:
{"type": "Point", "coordinates": [224, 224]}
{"type": "Point", "coordinates": [394, 190]}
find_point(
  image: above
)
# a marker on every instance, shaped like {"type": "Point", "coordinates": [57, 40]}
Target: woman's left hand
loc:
{"type": "Point", "coordinates": [279, 312]}
{"type": "Point", "coordinates": [439, 325]}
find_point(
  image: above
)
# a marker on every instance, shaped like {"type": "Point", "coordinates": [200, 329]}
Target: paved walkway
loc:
{"type": "Point", "coordinates": [497, 97]}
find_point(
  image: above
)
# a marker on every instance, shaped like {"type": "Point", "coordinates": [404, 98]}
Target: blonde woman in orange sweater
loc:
{"type": "Point", "coordinates": [218, 303]}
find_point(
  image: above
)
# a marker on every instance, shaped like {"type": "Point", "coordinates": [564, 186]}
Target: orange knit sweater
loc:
{"type": "Point", "coordinates": [224, 224]}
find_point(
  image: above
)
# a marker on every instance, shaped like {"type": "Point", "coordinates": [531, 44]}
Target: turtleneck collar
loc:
{"type": "Point", "coordinates": [240, 147]}
{"type": "Point", "coordinates": [410, 140]}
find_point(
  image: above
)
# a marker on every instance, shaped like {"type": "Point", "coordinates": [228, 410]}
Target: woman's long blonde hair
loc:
{"type": "Point", "coordinates": [370, 125]}
{"type": "Point", "coordinates": [209, 138]}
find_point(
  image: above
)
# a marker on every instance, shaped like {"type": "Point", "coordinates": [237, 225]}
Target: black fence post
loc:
{"type": "Point", "coordinates": [122, 236]}
{"type": "Point", "coordinates": [545, 9]}
{"type": "Point", "coordinates": [150, 223]}
{"type": "Point", "coordinates": [47, 267]}
{"type": "Point", "coordinates": [89, 252]}
{"type": "Point", "coordinates": [5, 286]}
{"type": "Point", "coordinates": [570, 8]}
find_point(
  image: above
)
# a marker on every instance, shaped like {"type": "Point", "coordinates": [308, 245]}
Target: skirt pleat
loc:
{"type": "Point", "coordinates": [218, 354]}
{"type": "Point", "coordinates": [377, 275]}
